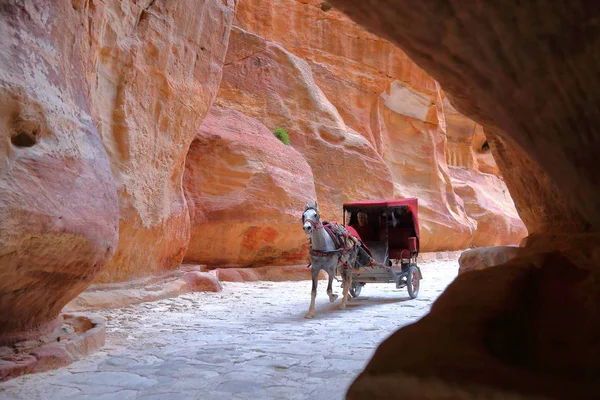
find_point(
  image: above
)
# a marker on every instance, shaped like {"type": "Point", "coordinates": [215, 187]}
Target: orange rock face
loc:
{"type": "Point", "coordinates": [58, 204]}
{"type": "Point", "coordinates": [154, 68]}
{"type": "Point", "coordinates": [245, 191]}
{"type": "Point", "coordinates": [474, 176]}
{"type": "Point", "coordinates": [265, 81]}
{"type": "Point", "coordinates": [97, 122]}
{"type": "Point", "coordinates": [308, 68]}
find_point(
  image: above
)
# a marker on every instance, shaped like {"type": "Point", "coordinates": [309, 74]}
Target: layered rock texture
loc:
{"type": "Point", "coordinates": [244, 188]}
{"type": "Point", "coordinates": [527, 73]}
{"type": "Point", "coordinates": [369, 122]}
{"type": "Point", "coordinates": [100, 101]}
{"type": "Point", "coordinates": [265, 81]}
{"type": "Point", "coordinates": [58, 203]}
{"type": "Point", "coordinates": [103, 110]}
{"type": "Point", "coordinates": [154, 68]}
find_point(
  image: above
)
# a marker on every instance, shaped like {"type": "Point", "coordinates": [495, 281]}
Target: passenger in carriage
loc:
{"type": "Point", "coordinates": [400, 219]}
{"type": "Point", "coordinates": [363, 228]}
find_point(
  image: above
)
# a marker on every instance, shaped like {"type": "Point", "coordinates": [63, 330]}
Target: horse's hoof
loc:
{"type": "Point", "coordinates": [308, 315]}
{"type": "Point", "coordinates": [333, 298]}
{"type": "Point", "coordinates": [342, 306]}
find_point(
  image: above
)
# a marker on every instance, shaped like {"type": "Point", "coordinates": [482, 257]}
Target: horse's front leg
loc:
{"type": "Point", "coordinates": [332, 296]}
{"type": "Point", "coordinates": [313, 293]}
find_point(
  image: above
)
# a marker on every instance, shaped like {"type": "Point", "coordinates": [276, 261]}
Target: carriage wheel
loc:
{"type": "Point", "coordinates": [355, 289]}
{"type": "Point", "coordinates": [412, 282]}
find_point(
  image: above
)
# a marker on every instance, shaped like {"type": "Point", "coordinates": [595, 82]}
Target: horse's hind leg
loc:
{"type": "Point", "coordinates": [313, 293]}
{"type": "Point", "coordinates": [347, 277]}
{"type": "Point", "coordinates": [332, 296]}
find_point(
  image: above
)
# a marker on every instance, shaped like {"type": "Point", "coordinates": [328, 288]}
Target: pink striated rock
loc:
{"type": "Point", "coordinates": [77, 337]}
{"type": "Point", "coordinates": [17, 366]}
{"type": "Point", "coordinates": [338, 81]}
{"type": "Point", "coordinates": [245, 191]}
{"type": "Point", "coordinates": [58, 203]}
{"type": "Point", "coordinates": [49, 358]}
{"type": "Point", "coordinates": [263, 80]}
{"type": "Point", "coordinates": [229, 275]}
{"type": "Point", "coordinates": [202, 282]}
{"type": "Point", "coordinates": [248, 274]}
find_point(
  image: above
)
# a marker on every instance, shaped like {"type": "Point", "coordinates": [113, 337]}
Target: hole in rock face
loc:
{"type": "Point", "coordinates": [485, 146]}
{"type": "Point", "coordinates": [325, 7]}
{"type": "Point", "coordinates": [23, 139]}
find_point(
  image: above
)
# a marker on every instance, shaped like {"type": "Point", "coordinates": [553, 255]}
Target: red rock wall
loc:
{"type": "Point", "coordinates": [244, 188]}
{"type": "Point", "coordinates": [265, 81]}
{"type": "Point", "coordinates": [58, 203]}
{"type": "Point", "coordinates": [100, 103]}
{"type": "Point", "coordinates": [154, 68]}
{"type": "Point", "coordinates": [112, 106]}
{"type": "Point", "coordinates": [526, 71]}
{"type": "Point", "coordinates": [370, 123]}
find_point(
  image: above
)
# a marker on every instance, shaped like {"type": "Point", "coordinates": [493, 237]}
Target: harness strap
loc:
{"type": "Point", "coordinates": [315, 225]}
{"type": "Point", "coordinates": [320, 253]}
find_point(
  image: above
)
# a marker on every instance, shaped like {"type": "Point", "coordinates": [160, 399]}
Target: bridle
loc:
{"type": "Point", "coordinates": [316, 225]}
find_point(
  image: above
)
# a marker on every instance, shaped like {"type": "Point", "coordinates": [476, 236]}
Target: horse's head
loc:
{"type": "Point", "coordinates": [310, 219]}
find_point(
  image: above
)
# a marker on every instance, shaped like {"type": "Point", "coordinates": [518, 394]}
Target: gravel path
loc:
{"type": "Point", "coordinates": [248, 342]}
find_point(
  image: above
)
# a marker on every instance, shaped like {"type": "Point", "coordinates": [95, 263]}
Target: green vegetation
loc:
{"type": "Point", "coordinates": [282, 135]}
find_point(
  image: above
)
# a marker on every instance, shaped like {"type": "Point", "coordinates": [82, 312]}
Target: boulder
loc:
{"type": "Point", "coordinates": [202, 282]}
{"type": "Point", "coordinates": [485, 257]}
{"type": "Point", "coordinates": [246, 191]}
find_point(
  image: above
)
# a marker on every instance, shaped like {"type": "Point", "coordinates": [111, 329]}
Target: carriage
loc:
{"type": "Point", "coordinates": [390, 233]}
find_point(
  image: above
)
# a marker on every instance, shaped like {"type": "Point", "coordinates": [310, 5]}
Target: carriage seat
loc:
{"type": "Point", "coordinates": [401, 242]}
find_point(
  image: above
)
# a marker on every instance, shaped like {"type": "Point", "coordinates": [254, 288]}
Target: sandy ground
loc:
{"type": "Point", "coordinates": [248, 342]}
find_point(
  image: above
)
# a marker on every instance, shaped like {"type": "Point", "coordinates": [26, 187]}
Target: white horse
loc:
{"type": "Point", "coordinates": [325, 255]}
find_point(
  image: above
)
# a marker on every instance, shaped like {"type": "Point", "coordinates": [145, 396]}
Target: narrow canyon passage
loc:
{"type": "Point", "coordinates": [248, 342]}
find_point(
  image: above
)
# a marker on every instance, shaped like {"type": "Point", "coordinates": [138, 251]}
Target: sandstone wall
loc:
{"type": "Point", "coordinates": [101, 100]}
{"type": "Point", "coordinates": [154, 68]}
{"type": "Point", "coordinates": [244, 189]}
{"type": "Point", "coordinates": [58, 204]}
{"type": "Point", "coordinates": [265, 81]}
{"type": "Point", "coordinates": [308, 68]}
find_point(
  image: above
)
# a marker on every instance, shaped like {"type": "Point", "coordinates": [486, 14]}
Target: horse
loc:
{"type": "Point", "coordinates": [326, 255]}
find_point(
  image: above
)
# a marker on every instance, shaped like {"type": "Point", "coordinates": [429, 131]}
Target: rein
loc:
{"type": "Point", "coordinates": [316, 225]}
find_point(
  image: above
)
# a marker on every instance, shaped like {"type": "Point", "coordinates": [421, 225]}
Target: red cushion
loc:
{"type": "Point", "coordinates": [401, 242]}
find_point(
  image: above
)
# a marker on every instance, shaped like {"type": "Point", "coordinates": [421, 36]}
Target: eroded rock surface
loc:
{"type": "Point", "coordinates": [496, 333]}
{"type": "Point", "coordinates": [485, 257]}
{"type": "Point", "coordinates": [374, 90]}
{"type": "Point", "coordinates": [265, 81]}
{"type": "Point", "coordinates": [523, 77]}
{"type": "Point", "coordinates": [58, 204]}
{"type": "Point", "coordinates": [245, 190]}
{"type": "Point", "coordinates": [100, 101]}
{"type": "Point", "coordinates": [475, 179]}
{"type": "Point", "coordinates": [154, 68]}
